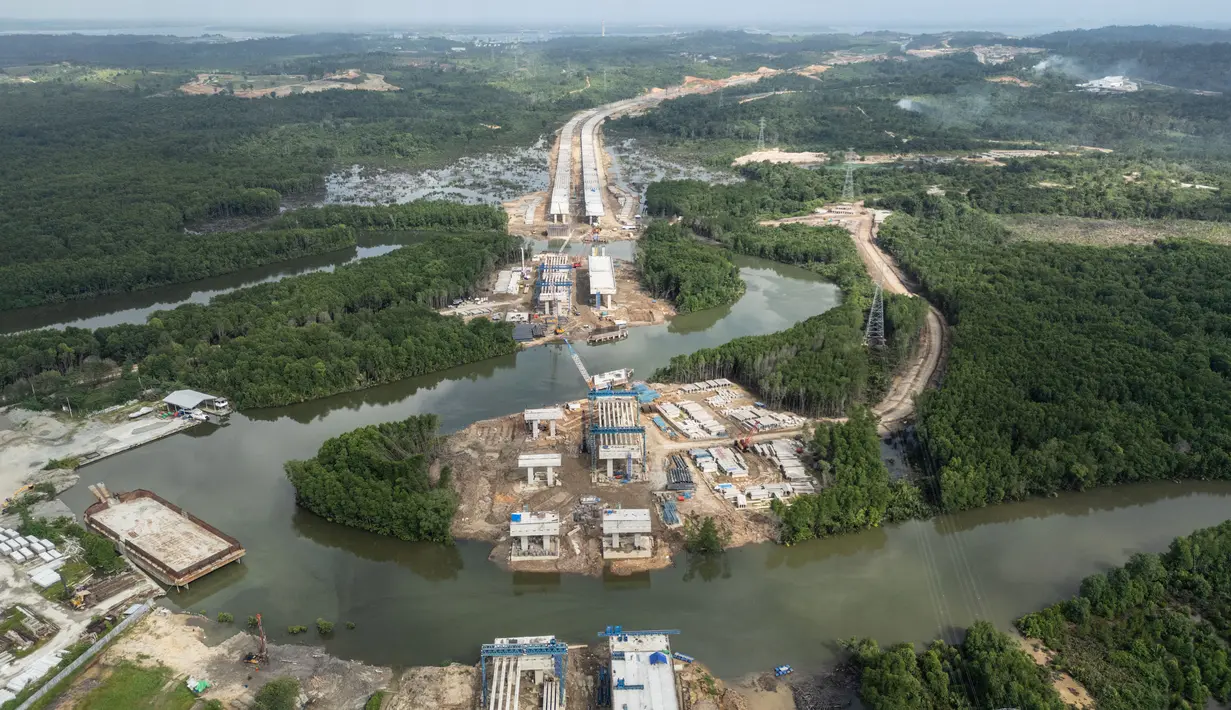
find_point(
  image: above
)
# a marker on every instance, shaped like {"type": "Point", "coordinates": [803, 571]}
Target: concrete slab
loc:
{"type": "Point", "coordinates": [173, 539]}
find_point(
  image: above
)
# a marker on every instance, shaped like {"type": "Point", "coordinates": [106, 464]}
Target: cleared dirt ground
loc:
{"type": "Point", "coordinates": [178, 641]}
{"type": "Point", "coordinates": [484, 455]}
{"type": "Point", "coordinates": [1071, 692]}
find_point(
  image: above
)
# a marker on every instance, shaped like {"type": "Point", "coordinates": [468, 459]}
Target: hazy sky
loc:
{"type": "Point", "coordinates": [777, 13]}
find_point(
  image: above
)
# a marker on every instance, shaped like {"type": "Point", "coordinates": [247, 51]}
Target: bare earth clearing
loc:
{"type": "Point", "coordinates": [279, 86]}
{"type": "Point", "coordinates": [1071, 692]}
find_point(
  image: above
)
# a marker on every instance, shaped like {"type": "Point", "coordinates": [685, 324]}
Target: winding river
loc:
{"type": "Point", "coordinates": [754, 608]}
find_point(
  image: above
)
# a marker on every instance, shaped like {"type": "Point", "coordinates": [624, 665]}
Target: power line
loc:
{"type": "Point", "coordinates": [874, 334]}
{"type": "Point", "coordinates": [848, 185]}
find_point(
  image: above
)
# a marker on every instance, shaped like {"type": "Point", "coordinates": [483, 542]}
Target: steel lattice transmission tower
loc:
{"type": "Point", "coordinates": [848, 185]}
{"type": "Point", "coordinates": [761, 136]}
{"type": "Point", "coordinates": [874, 334]}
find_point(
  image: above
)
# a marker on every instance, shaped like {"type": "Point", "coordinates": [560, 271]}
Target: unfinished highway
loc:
{"type": "Point", "coordinates": [579, 170]}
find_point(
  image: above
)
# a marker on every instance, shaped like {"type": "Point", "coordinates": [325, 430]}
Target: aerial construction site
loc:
{"type": "Point", "coordinates": [580, 198]}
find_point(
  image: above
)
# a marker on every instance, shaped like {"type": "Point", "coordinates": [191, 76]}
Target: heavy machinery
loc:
{"type": "Point", "coordinates": [78, 600]}
{"type": "Point", "coordinates": [17, 494]}
{"type": "Point", "coordinates": [262, 651]}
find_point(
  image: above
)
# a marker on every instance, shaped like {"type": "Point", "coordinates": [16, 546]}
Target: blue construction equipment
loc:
{"type": "Point", "coordinates": [557, 650]}
{"type": "Point", "coordinates": [780, 671]}
{"type": "Point", "coordinates": [682, 657]}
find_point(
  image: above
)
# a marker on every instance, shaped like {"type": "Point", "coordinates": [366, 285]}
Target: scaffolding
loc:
{"type": "Point", "coordinates": [508, 655]}
{"type": "Point", "coordinates": [554, 286]}
{"type": "Point", "coordinates": [615, 432]}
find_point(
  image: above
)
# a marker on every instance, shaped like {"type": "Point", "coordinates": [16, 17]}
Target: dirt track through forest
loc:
{"type": "Point", "coordinates": [898, 405]}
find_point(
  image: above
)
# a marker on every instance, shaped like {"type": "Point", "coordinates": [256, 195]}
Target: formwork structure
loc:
{"type": "Point", "coordinates": [171, 544]}
{"type": "Point", "coordinates": [534, 536]}
{"type": "Point", "coordinates": [602, 279]}
{"type": "Point", "coordinates": [590, 166]}
{"type": "Point", "coordinates": [548, 414]}
{"type": "Point", "coordinates": [531, 462]}
{"type": "Point", "coordinates": [554, 286]}
{"type": "Point", "coordinates": [635, 526]}
{"type": "Point", "coordinates": [615, 432]}
{"type": "Point", "coordinates": [642, 670]}
{"type": "Point", "coordinates": [544, 656]}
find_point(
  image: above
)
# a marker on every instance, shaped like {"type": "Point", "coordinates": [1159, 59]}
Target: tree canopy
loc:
{"type": "Point", "coordinates": [379, 478]}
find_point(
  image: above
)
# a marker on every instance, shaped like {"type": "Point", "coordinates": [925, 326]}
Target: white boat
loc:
{"type": "Point", "coordinates": [140, 413]}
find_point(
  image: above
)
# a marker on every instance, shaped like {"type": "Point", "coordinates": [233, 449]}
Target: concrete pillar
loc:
{"type": "Point", "coordinates": [610, 468]}
{"type": "Point", "coordinates": [525, 543]}
{"type": "Point", "coordinates": [615, 541]}
{"type": "Point", "coordinates": [609, 300]}
{"type": "Point", "coordinates": [538, 677]}
{"type": "Point", "coordinates": [534, 429]}
{"type": "Point", "coordinates": [530, 476]}
{"type": "Point", "coordinates": [551, 477]}
{"type": "Point", "coordinates": [552, 425]}
{"type": "Point", "coordinates": [637, 541]}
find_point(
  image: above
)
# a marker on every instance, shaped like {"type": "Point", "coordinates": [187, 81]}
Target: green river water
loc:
{"type": "Point", "coordinates": [752, 609]}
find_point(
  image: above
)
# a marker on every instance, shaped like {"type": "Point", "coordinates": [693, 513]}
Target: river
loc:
{"type": "Point", "coordinates": [754, 608]}
{"type": "Point", "coordinates": [136, 307]}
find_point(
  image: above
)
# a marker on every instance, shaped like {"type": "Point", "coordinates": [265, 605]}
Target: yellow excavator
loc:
{"type": "Point", "coordinates": [17, 494]}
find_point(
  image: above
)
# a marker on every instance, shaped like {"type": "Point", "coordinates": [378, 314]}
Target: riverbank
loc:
{"type": "Point", "coordinates": [41, 447]}
{"type": "Point", "coordinates": [191, 645]}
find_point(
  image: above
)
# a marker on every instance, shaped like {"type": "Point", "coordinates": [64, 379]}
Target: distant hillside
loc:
{"type": "Point", "coordinates": [1166, 34]}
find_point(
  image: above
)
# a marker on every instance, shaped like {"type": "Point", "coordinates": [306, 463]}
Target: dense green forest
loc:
{"type": "Point", "coordinates": [107, 190]}
{"type": "Point", "coordinates": [674, 265]}
{"type": "Point", "coordinates": [191, 258]}
{"type": "Point", "coordinates": [857, 494]}
{"type": "Point", "coordinates": [1150, 634]}
{"type": "Point", "coordinates": [304, 337]}
{"type": "Point", "coordinates": [379, 478]}
{"type": "Point", "coordinates": [986, 670]}
{"type": "Point", "coordinates": [1071, 366]}
{"type": "Point", "coordinates": [1090, 186]}
{"type": "Point", "coordinates": [948, 104]}
{"type": "Point", "coordinates": [819, 366]}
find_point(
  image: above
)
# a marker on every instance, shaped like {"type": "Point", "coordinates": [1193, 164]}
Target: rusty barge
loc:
{"type": "Point", "coordinates": [174, 546]}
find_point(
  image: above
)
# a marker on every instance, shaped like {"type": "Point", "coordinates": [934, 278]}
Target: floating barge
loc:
{"type": "Point", "coordinates": [608, 334]}
{"type": "Point", "coordinates": [174, 546]}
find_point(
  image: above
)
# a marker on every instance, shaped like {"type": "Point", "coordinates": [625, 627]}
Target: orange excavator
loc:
{"type": "Point", "coordinates": [262, 651]}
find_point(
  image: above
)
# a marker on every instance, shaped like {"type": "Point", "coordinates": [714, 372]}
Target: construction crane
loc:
{"type": "Point", "coordinates": [262, 651]}
{"type": "Point", "coordinates": [581, 366]}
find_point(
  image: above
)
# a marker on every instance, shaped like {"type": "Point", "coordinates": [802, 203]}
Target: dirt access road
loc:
{"type": "Point", "coordinates": [899, 403]}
